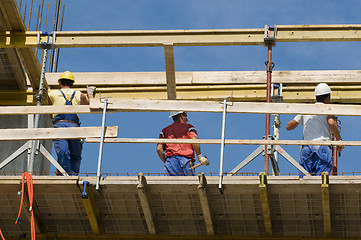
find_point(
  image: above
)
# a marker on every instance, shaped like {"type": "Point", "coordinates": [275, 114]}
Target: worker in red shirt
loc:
{"type": "Point", "coordinates": [179, 158]}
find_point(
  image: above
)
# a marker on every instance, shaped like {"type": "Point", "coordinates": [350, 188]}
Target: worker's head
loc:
{"type": "Point", "coordinates": [323, 93]}
{"type": "Point", "coordinates": [66, 79]}
{"type": "Point", "coordinates": [179, 116]}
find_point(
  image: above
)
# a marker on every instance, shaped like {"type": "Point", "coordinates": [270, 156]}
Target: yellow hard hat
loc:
{"type": "Point", "coordinates": [67, 75]}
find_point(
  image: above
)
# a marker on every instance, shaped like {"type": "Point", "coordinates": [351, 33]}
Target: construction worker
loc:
{"type": "Point", "coordinates": [68, 150]}
{"type": "Point", "coordinates": [178, 159]}
{"type": "Point", "coordinates": [317, 159]}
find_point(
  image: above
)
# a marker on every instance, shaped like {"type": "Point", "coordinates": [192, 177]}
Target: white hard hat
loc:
{"type": "Point", "coordinates": [174, 113]}
{"type": "Point", "coordinates": [322, 89]}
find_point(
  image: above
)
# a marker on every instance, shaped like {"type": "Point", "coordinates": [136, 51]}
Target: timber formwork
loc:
{"type": "Point", "coordinates": [176, 207]}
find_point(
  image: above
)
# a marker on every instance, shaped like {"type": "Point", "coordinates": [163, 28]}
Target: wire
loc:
{"type": "Point", "coordinates": [1, 235]}
{"type": "Point", "coordinates": [29, 184]}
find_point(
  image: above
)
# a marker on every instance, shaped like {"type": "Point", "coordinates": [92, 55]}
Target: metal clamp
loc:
{"type": "Point", "coordinates": [47, 44]}
{"type": "Point", "coordinates": [84, 194]}
{"type": "Point", "coordinates": [270, 34]}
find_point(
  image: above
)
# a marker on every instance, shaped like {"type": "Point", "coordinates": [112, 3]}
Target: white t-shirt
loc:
{"type": "Point", "coordinates": [315, 127]}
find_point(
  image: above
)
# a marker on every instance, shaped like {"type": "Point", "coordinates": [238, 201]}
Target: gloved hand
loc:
{"type": "Point", "coordinates": [203, 160]}
{"type": "Point", "coordinates": [90, 90]}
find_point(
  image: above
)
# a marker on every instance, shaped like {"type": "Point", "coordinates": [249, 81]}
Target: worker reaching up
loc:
{"type": "Point", "coordinates": [179, 158]}
{"type": "Point", "coordinates": [68, 150]}
{"type": "Point", "coordinates": [317, 159]}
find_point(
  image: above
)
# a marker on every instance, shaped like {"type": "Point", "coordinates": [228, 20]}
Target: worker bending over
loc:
{"type": "Point", "coordinates": [317, 159]}
{"type": "Point", "coordinates": [179, 158]}
{"type": "Point", "coordinates": [68, 150]}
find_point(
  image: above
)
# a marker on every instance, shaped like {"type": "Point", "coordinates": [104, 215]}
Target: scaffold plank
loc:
{"type": "Point", "coordinates": [309, 77]}
{"type": "Point", "coordinates": [55, 133]}
{"type": "Point", "coordinates": [234, 107]}
{"type": "Point", "coordinates": [24, 110]}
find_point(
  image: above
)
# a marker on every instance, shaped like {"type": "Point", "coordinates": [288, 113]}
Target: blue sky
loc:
{"type": "Point", "coordinates": [211, 14]}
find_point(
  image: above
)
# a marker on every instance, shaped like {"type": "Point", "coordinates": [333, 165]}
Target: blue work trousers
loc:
{"type": "Point", "coordinates": [316, 159]}
{"type": "Point", "coordinates": [178, 166]}
{"type": "Point", "coordinates": [68, 150]}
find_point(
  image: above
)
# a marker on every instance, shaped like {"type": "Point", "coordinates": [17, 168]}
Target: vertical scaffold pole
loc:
{"type": "Point", "coordinates": [101, 144]}
{"type": "Point", "coordinates": [222, 145]}
{"type": "Point", "coordinates": [39, 99]}
{"type": "Point", "coordinates": [268, 116]}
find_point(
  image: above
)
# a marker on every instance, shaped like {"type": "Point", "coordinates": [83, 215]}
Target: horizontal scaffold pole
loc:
{"type": "Point", "coordinates": [207, 37]}
{"type": "Point", "coordinates": [22, 134]}
{"type": "Point", "coordinates": [227, 141]}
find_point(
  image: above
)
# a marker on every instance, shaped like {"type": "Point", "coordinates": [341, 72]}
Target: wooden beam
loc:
{"type": "Point", "coordinates": [326, 204]}
{"type": "Point", "coordinates": [92, 210]}
{"type": "Point", "coordinates": [234, 107]}
{"type": "Point", "coordinates": [207, 37]}
{"type": "Point", "coordinates": [15, 24]}
{"type": "Point", "coordinates": [309, 78]}
{"type": "Point", "coordinates": [24, 110]}
{"type": "Point", "coordinates": [170, 71]}
{"type": "Point", "coordinates": [145, 203]}
{"type": "Point", "coordinates": [55, 133]}
{"type": "Point", "coordinates": [203, 197]}
{"type": "Point", "coordinates": [227, 141]}
{"type": "Point", "coordinates": [263, 192]}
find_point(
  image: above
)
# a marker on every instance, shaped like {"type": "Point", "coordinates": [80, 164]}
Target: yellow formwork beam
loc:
{"type": "Point", "coordinates": [207, 37]}
{"type": "Point", "coordinates": [263, 194]}
{"type": "Point", "coordinates": [326, 204]}
{"type": "Point", "coordinates": [92, 210]}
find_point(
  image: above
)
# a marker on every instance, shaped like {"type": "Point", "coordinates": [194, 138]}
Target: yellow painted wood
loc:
{"type": "Point", "coordinates": [207, 37]}
{"type": "Point", "coordinates": [326, 208]}
{"type": "Point", "coordinates": [91, 209]}
{"type": "Point", "coordinates": [265, 204]}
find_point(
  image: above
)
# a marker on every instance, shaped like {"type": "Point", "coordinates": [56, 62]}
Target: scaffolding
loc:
{"type": "Point", "coordinates": [265, 206]}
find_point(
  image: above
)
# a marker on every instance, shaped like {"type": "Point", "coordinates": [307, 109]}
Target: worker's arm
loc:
{"type": "Point", "coordinates": [84, 100]}
{"type": "Point", "coordinates": [334, 130]}
{"type": "Point", "coordinates": [197, 149]}
{"type": "Point", "coordinates": [292, 125]}
{"type": "Point", "coordinates": [160, 151]}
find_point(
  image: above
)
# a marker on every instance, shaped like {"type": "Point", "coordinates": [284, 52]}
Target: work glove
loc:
{"type": "Point", "coordinates": [203, 160]}
{"type": "Point", "coordinates": [90, 90]}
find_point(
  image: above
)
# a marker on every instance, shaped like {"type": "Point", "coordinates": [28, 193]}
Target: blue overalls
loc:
{"type": "Point", "coordinates": [68, 150]}
{"type": "Point", "coordinates": [178, 166]}
{"type": "Point", "coordinates": [316, 159]}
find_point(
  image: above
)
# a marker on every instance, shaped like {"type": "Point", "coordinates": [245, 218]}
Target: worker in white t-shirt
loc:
{"type": "Point", "coordinates": [317, 159]}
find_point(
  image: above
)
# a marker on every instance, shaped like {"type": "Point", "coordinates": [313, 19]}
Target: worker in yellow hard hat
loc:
{"type": "Point", "coordinates": [317, 159]}
{"type": "Point", "coordinates": [179, 158]}
{"type": "Point", "coordinates": [68, 150]}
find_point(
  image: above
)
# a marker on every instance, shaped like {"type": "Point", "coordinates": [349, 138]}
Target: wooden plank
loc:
{"type": "Point", "coordinates": [227, 141]}
{"type": "Point", "coordinates": [207, 37]}
{"type": "Point", "coordinates": [234, 107]}
{"type": "Point", "coordinates": [24, 110]}
{"type": "Point", "coordinates": [170, 71]}
{"type": "Point", "coordinates": [55, 133]}
{"type": "Point", "coordinates": [211, 77]}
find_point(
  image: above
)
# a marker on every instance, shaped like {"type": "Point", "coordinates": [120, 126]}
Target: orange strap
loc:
{"type": "Point", "coordinates": [1, 235]}
{"type": "Point", "coordinates": [29, 184]}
